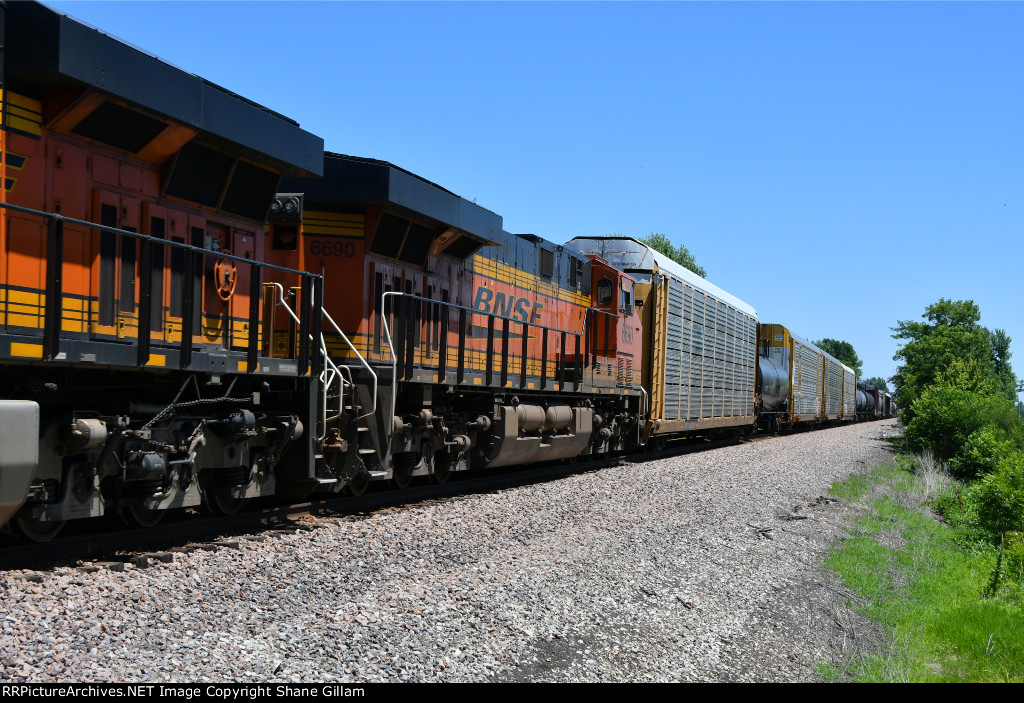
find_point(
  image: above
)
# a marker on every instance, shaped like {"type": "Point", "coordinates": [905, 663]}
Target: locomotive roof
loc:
{"type": "Point", "coordinates": [349, 180]}
{"type": "Point", "coordinates": [50, 50]}
{"type": "Point", "coordinates": [632, 255]}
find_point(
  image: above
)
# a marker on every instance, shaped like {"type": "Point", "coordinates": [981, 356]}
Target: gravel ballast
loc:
{"type": "Point", "coordinates": [701, 567]}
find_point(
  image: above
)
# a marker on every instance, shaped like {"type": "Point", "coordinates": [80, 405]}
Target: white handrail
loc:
{"type": "Point", "coordinates": [644, 407]}
{"type": "Point", "coordinates": [361, 360]}
{"type": "Point", "coordinates": [335, 371]}
{"type": "Point", "coordinates": [394, 368]}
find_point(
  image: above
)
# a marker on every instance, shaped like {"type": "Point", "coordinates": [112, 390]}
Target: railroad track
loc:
{"type": "Point", "coordinates": [114, 548]}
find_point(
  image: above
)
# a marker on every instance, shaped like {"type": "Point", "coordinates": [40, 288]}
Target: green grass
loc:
{"type": "Point", "coordinates": [925, 591]}
{"type": "Point", "coordinates": [852, 488]}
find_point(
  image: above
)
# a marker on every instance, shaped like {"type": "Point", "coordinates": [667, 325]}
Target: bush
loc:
{"type": "Point", "coordinates": [945, 418]}
{"type": "Point", "coordinates": [1012, 559]}
{"type": "Point", "coordinates": [999, 497]}
{"type": "Point", "coordinates": [981, 452]}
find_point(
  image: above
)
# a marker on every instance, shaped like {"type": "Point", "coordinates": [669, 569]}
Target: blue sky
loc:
{"type": "Point", "coordinates": [839, 166]}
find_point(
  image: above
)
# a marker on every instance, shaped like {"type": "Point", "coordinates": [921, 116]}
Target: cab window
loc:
{"type": "Point", "coordinates": [604, 291]}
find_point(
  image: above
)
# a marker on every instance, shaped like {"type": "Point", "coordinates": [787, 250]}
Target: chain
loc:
{"type": "Point", "coordinates": [192, 403]}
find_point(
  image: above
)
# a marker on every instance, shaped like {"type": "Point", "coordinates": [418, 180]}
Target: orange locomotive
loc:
{"type": "Point", "coordinates": [464, 345]}
{"type": "Point", "coordinates": [131, 235]}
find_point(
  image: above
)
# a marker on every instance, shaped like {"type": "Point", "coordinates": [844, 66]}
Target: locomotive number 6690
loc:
{"type": "Point", "coordinates": [328, 247]}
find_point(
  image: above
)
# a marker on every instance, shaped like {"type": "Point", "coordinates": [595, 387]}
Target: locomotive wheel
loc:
{"type": "Point", "coordinates": [220, 504]}
{"type": "Point", "coordinates": [138, 516]}
{"type": "Point", "coordinates": [440, 469]}
{"type": "Point", "coordinates": [29, 529]}
{"type": "Point", "coordinates": [403, 465]}
{"type": "Point", "coordinates": [358, 484]}
{"type": "Point", "coordinates": [402, 476]}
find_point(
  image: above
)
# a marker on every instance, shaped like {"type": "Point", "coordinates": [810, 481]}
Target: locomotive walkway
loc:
{"type": "Point", "coordinates": [702, 567]}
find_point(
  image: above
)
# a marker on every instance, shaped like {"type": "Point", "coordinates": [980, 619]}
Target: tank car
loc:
{"type": "Point", "coordinates": [135, 368]}
{"type": "Point", "coordinates": [870, 402]}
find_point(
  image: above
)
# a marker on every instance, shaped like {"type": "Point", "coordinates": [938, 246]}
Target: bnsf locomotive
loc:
{"type": "Point", "coordinates": [199, 306]}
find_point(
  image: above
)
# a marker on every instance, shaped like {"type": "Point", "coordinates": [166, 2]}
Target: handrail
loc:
{"type": "Point", "coordinates": [454, 306]}
{"type": "Point", "coordinates": [474, 311]}
{"type": "Point", "coordinates": [191, 302]}
{"type": "Point", "coordinates": [165, 242]}
{"type": "Point", "coordinates": [327, 359]}
{"type": "Point", "coordinates": [359, 356]}
{"type": "Point", "coordinates": [394, 371]}
{"type": "Point", "coordinates": [641, 421]}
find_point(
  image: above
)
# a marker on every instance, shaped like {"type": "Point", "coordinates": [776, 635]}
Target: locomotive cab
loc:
{"type": "Point", "coordinates": [615, 325]}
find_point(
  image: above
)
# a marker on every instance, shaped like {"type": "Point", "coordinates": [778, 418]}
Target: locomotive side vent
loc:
{"type": "Point", "coordinates": [387, 241]}
{"type": "Point", "coordinates": [119, 127]}
{"type": "Point", "coordinates": [462, 247]}
{"type": "Point", "coordinates": [199, 175]}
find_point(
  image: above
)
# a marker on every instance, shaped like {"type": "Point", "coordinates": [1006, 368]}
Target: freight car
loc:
{"type": "Point", "coordinates": [800, 383]}
{"type": "Point", "coordinates": [698, 348]}
{"type": "Point", "coordinates": [873, 403]}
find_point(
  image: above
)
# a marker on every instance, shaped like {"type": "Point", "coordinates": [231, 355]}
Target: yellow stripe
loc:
{"type": "Point", "coordinates": [32, 351]}
{"type": "Point", "coordinates": [24, 102]}
{"type": "Point", "coordinates": [25, 308]}
{"type": "Point", "coordinates": [33, 321]}
{"type": "Point", "coordinates": [75, 304]}
{"type": "Point", "coordinates": [333, 224]}
{"type": "Point", "coordinates": [522, 279]}
{"type": "Point", "coordinates": [23, 114]}
{"type": "Point", "coordinates": [157, 360]}
{"type": "Point", "coordinates": [24, 297]}
{"type": "Point", "coordinates": [23, 125]}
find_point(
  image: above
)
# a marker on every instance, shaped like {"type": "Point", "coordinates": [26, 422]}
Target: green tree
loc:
{"type": "Point", "coordinates": [1007, 381]}
{"type": "Point", "coordinates": [843, 351]}
{"type": "Point", "coordinates": [680, 254]}
{"type": "Point", "coordinates": [949, 333]}
{"type": "Point", "coordinates": [876, 381]}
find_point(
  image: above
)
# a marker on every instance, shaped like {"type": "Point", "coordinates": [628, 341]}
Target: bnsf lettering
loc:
{"type": "Point", "coordinates": [502, 306]}
{"type": "Point", "coordinates": [483, 299]}
{"type": "Point", "coordinates": [521, 309]}
{"type": "Point", "coordinates": [506, 306]}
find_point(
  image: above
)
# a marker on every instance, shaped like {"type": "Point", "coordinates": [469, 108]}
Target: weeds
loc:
{"type": "Point", "coordinates": [933, 474]}
{"type": "Point", "coordinates": [952, 613]}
